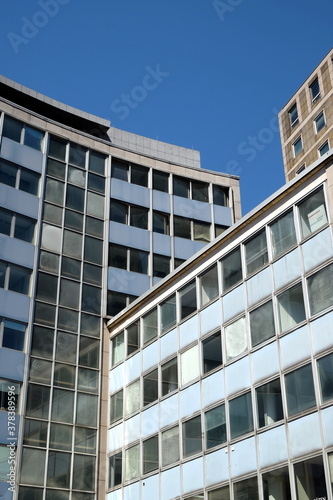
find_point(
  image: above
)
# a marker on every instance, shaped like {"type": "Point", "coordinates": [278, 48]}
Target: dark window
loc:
{"type": "Point", "coordinates": [325, 367]}
{"type": "Point", "coordinates": [161, 223]}
{"type": "Point", "coordinates": [182, 227]}
{"type": "Point", "coordinates": [192, 437]}
{"type": "Point", "coordinates": [269, 403]}
{"type": "Point", "coordinates": [160, 181]}
{"type": "Point", "coordinates": [200, 191]}
{"type": "Point", "coordinates": [188, 300]}
{"type": "Point", "coordinates": [138, 261]}
{"type": "Point", "coordinates": [115, 470]}
{"type": "Point", "coordinates": [150, 387]}
{"type": "Point", "coordinates": [300, 390]}
{"type": "Point", "coordinates": [315, 90]}
{"type": "Point", "coordinates": [220, 196]}
{"type": "Point", "coordinates": [181, 187]}
{"type": "Point", "coordinates": [161, 266]}
{"type": "Point", "coordinates": [240, 414]}
{"type": "Point", "coordinates": [119, 170]}
{"type": "Point", "coordinates": [231, 269]}
{"type": "Point", "coordinates": [139, 217]}
{"type": "Point", "coordinates": [212, 352]}
{"type": "Point", "coordinates": [293, 116]}
{"type": "Point", "coordinates": [215, 427]}
{"type": "Point", "coordinates": [169, 376]}
{"type": "Point", "coordinates": [117, 256]}
{"type": "Point", "coordinates": [139, 175]}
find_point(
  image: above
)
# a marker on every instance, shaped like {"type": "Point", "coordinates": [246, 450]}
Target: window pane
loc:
{"type": "Point", "coordinates": [115, 470]}
{"type": "Point", "coordinates": [283, 234]}
{"type": "Point", "coordinates": [53, 214]}
{"type": "Point", "coordinates": [77, 176]}
{"type": "Point", "coordinates": [310, 479]}
{"type": "Point", "coordinates": [54, 191]}
{"type": "Point", "coordinates": [150, 387]}
{"type": "Point", "coordinates": [269, 403]}
{"type": "Point", "coordinates": [19, 279]}
{"type": "Point", "coordinates": [190, 365]}
{"type": "Point", "coordinates": [58, 469]}
{"type": "Point", "coordinates": [170, 446]}
{"type": "Point", "coordinates": [201, 232]}
{"type": "Point", "coordinates": [118, 212]}
{"type": "Point", "coordinates": [8, 174]}
{"type": "Point", "coordinates": [240, 414]}
{"type": "Point", "coordinates": [132, 463]}
{"type": "Point", "coordinates": [61, 437]}
{"type": "Point", "coordinates": [73, 220]}
{"type": "Point", "coordinates": [69, 293]}
{"type": "Point", "coordinates": [97, 163]}
{"type": "Point", "coordinates": [75, 198]}
{"type": "Point", "coordinates": [91, 299]}
{"type": "Point", "coordinates": [45, 314]}
{"type": "Point", "coordinates": [40, 371]}
{"type": "Point", "coordinates": [182, 227]}
{"type": "Point", "coordinates": [62, 406]}
{"type": "Point", "coordinates": [231, 269]}
{"type": "Point", "coordinates": [9, 395]}
{"type": "Point", "coordinates": [5, 222]}
{"type": "Point", "coordinates": [220, 196]}
{"type": "Point", "coordinates": [320, 287]}
{"type": "Point", "coordinates": [276, 481]}
{"type": "Point", "coordinates": [66, 347]}
{"type": "Point", "coordinates": [12, 129]}
{"type": "Point", "coordinates": [51, 238]}
{"type": "Point", "coordinates": [325, 368]}
{"type": "Point", "coordinates": [77, 155]}
{"type": "Point", "coordinates": [33, 138]}
{"type": "Point", "coordinates": [42, 342]}
{"type": "Point", "coordinates": [212, 352]}
{"type": "Point", "coordinates": [150, 454]}
{"type": "Point", "coordinates": [84, 472]}
{"type": "Point", "coordinates": [181, 187]}
{"type": "Point", "coordinates": [209, 286]}
{"type": "Point", "coordinates": [119, 170]}
{"type": "Point", "coordinates": [132, 398]}
{"type": "Point", "coordinates": [92, 274]}
{"type": "Point", "coordinates": [56, 169]}
{"type": "Point", "coordinates": [64, 376]}
{"type": "Point", "coordinates": [33, 466]}
{"type": "Point", "coordinates": [96, 183]}
{"type": "Point", "coordinates": [324, 148]}
{"type": "Point", "coordinates": [161, 266]}
{"type": "Point", "coordinates": [293, 116]}
{"type": "Point", "coordinates": [116, 407]}
{"type": "Point", "coordinates": [72, 244]}
{"type": "Point", "coordinates": [38, 401]}
{"type": "Point", "coordinates": [192, 442]}
{"type": "Point", "coordinates": [160, 181]}
{"type": "Point", "coordinates": [291, 307]}
{"type": "Point", "coordinates": [256, 252]}
{"type": "Point", "coordinates": [168, 313]}
{"type": "Point", "coordinates": [215, 427]}
{"type": "Point", "coordinates": [88, 380]}
{"type": "Point", "coordinates": [95, 205]}
{"type": "Point", "coordinates": [57, 148]}
{"type": "Point", "coordinates": [262, 323]}
{"type": "Point", "coordinates": [93, 250]}
{"type": "Point", "coordinates": [3, 268]}
{"type": "Point", "coordinates": [68, 319]}
{"type": "Point", "coordinates": [94, 227]}
{"type": "Point", "coordinates": [300, 390]}
{"type": "Point", "coordinates": [138, 261]}
{"type": "Point", "coordinates": [169, 377]}
{"type": "Point", "coordinates": [320, 122]}
{"type": "Point", "coordinates": [71, 268]}
{"type": "Point", "coordinates": [236, 340]}
{"type": "Point", "coordinates": [49, 262]}
{"type": "Point", "coordinates": [200, 191]}
{"type": "Point", "coordinates": [149, 326]}
{"type": "Point", "coordinates": [139, 175]}
{"type": "Point", "coordinates": [313, 213]}
{"type": "Point", "coordinates": [86, 410]}
{"type": "Point", "coordinates": [188, 300]}
{"type": "Point", "coordinates": [314, 89]}
{"type": "Point", "coordinates": [24, 228]}
{"type": "Point", "coordinates": [220, 494]}
{"type": "Point", "coordinates": [139, 217]}
{"type": "Point", "coordinates": [89, 352]}
{"type": "Point", "coordinates": [246, 489]}
{"type": "Point", "coordinates": [118, 348]}
{"type": "Point", "coordinates": [85, 440]}
{"type": "Point", "coordinates": [13, 335]}
{"type": "Point", "coordinates": [29, 182]}
{"type": "Point", "coordinates": [161, 223]}
{"type": "Point", "coordinates": [298, 146]}
{"type": "Point", "coordinates": [35, 433]}
{"type": "Point", "coordinates": [90, 325]}
{"type": "Point", "coordinates": [133, 340]}
{"type": "Point", "coordinates": [117, 256]}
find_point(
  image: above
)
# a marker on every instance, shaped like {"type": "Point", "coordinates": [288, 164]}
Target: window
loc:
{"type": "Point", "coordinates": [9, 395]}
{"type": "Point", "coordinates": [209, 286]}
{"type": "Point", "coordinates": [320, 122]}
{"type": "Point", "coordinates": [57, 148]}
{"type": "Point", "coordinates": [240, 414]}
{"type": "Point", "coordinates": [314, 90]}
{"type": "Point", "coordinates": [248, 488]}
{"type": "Point", "coordinates": [188, 300]}
{"type": "Point", "coordinates": [168, 313]}
{"type": "Point", "coordinates": [161, 223]}
{"type": "Point", "coordinates": [117, 301]}
{"type": "Point", "coordinates": [19, 178]}
{"type": "Point", "coordinates": [312, 213]}
{"type": "Point", "coordinates": [283, 234]}
{"type": "Point", "coordinates": [161, 266]}
{"type": "Point", "coordinates": [22, 133]}
{"type": "Point", "coordinates": [293, 116]}
{"type": "Point", "coordinates": [115, 470]}
{"type": "Point", "coordinates": [325, 369]}
{"type": "Point", "coordinates": [14, 278]}
{"type": "Point", "coordinates": [181, 187]}
{"type": "Point", "coordinates": [262, 323]}
{"type": "Point", "coordinates": [231, 269]}
{"type": "Point", "coordinates": [192, 441]}
{"type": "Point", "coordinates": [201, 232]}
{"type": "Point", "coordinates": [17, 226]}
{"type": "Point", "coordinates": [300, 390]}
{"type": "Point", "coordinates": [116, 406]}
{"type": "Point", "coordinates": [320, 288]}
{"type": "Point", "coordinates": [132, 398]}
{"type": "Point", "coordinates": [182, 227]}
{"type": "Point", "coordinates": [139, 175]}
{"type": "Point", "coordinates": [215, 427]}
{"type": "Point", "coordinates": [129, 214]}
{"type": "Point", "coordinates": [291, 307]}
{"type": "Point", "coordinates": [96, 183]}
{"type": "Point", "coordinates": [149, 326]}
{"type": "Point", "coordinates": [138, 261]}
{"type": "Point", "coordinates": [310, 479]}
{"type": "Point", "coordinates": [13, 336]}
{"type": "Point", "coordinates": [190, 365]}
{"type": "Point", "coordinates": [160, 181]}
{"type": "Point", "coordinates": [219, 494]}
{"type": "Point", "coordinates": [97, 162]}
{"type": "Point", "coordinates": [170, 446]}
{"type": "Point", "coordinates": [220, 196]}
{"type": "Point", "coordinates": [150, 387]}
{"type": "Point", "coordinates": [276, 481]}
{"type": "Point", "coordinates": [118, 348]}
{"type": "Point", "coordinates": [77, 155]}
{"type": "Point", "coordinates": [132, 462]}
{"type": "Point", "coordinates": [300, 169]}
{"type": "Point", "coordinates": [236, 340]}
{"type": "Point", "coordinates": [150, 454]}
{"type": "Point", "coordinates": [33, 466]}
{"type": "Point", "coordinates": [123, 171]}
{"type": "Point", "coordinates": [212, 352]}
{"type": "Point", "coordinates": [324, 148]}
{"type": "Point", "coordinates": [200, 191]}
{"type": "Point", "coordinates": [129, 259]}
{"type": "Point", "coordinates": [119, 170]}
{"type": "Point", "coordinates": [219, 229]}
{"type": "Point", "coordinates": [169, 377]}
{"type": "Point", "coordinates": [256, 252]}
{"type": "Point", "coordinates": [133, 340]}
{"type": "Point", "coordinates": [298, 146]}
{"type": "Point", "coordinates": [269, 403]}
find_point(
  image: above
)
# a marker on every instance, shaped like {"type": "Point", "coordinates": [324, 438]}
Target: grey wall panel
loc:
{"type": "Point", "coordinates": [192, 209]}
{"type": "Point", "coordinates": [22, 155]}
{"type": "Point", "coordinates": [16, 251]}
{"type": "Point", "coordinates": [161, 244]}
{"type": "Point", "coordinates": [11, 364]}
{"type": "Point", "coordinates": [131, 193]}
{"type": "Point", "coordinates": [186, 248]}
{"type": "Point", "coordinates": [222, 215]}
{"type": "Point", "coordinates": [14, 306]}
{"type": "Point", "coordinates": [127, 282]}
{"type": "Point", "coordinates": [129, 236]}
{"type": "Point", "coordinates": [19, 201]}
{"type": "Point", "coordinates": [161, 201]}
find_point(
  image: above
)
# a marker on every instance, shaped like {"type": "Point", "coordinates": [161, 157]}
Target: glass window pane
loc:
{"type": "Point", "coordinates": [132, 398]}
{"type": "Point", "coordinates": [48, 262]}
{"type": "Point", "coordinates": [246, 489]}
{"type": "Point", "coordinates": [139, 175]}
{"type": "Point", "coordinates": [201, 232]}
{"type": "Point", "coordinates": [94, 227]}
{"type": "Point", "coordinates": [138, 261]}
{"type": "Point", "coordinates": [58, 469]}
{"type": "Point", "coordinates": [181, 187]}
{"type": "Point", "coordinates": [71, 268]}
{"type": "Point", "coordinates": [118, 212]}
{"type": "Point", "coordinates": [38, 400]}
{"type": "Point", "coordinates": [325, 368]}
{"type": "Point", "coordinates": [269, 403]}
{"type": "Point", "coordinates": [160, 181]}
{"type": "Point", "coordinates": [161, 223]}
{"type": "Point", "coordinates": [77, 155]}
{"type": "Point", "coordinates": [116, 407]}
{"type": "Point", "coordinates": [95, 205]}
{"type": "Point", "coordinates": [161, 266]}
{"type": "Point", "coordinates": [192, 442]}
{"type": "Point", "coordinates": [320, 287]}
{"type": "Point", "coordinates": [215, 427]}
{"type": "Point", "coordinates": [188, 300]}
{"type": "Point", "coordinates": [35, 433]}
{"type": "Point", "coordinates": [220, 196]}
{"type": "Point", "coordinates": [170, 446]}
{"type": "Point", "coordinates": [212, 352]}
{"type": "Point", "coordinates": [97, 163]}
{"type": "Point", "coordinates": [42, 342]}
{"type": "Point", "coordinates": [150, 387]}
{"type": "Point", "coordinates": [118, 348]}
{"type": "Point", "coordinates": [88, 380]}
{"type": "Point", "coordinates": [33, 466]}
{"type": "Point", "coordinates": [139, 217]}
{"type": "Point", "coordinates": [320, 122]}
{"type": "Point", "coordinates": [90, 325]}
{"type": "Point", "coordinates": [24, 228]}
{"type": "Point", "coordinates": [62, 406]}
{"type": "Point", "coordinates": [52, 214]}
{"type": "Point", "coordinates": [86, 409]}
{"type": "Point", "coordinates": [132, 463]}
{"type": "Point", "coordinates": [66, 347]}
{"type": "Point", "coordinates": [12, 129]}
{"type": "Point", "coordinates": [149, 326]}
{"type": "Point", "coordinates": [33, 138]}
{"type": "Point", "coordinates": [209, 286]}
{"type": "Point", "coordinates": [73, 220]}
{"type": "Point", "coordinates": [45, 314]}
{"type": "Point", "coordinates": [9, 395]}
{"type": "Point", "coordinates": [200, 191]}
{"type": "Point", "coordinates": [64, 376]}
{"type": "Point", "coordinates": [220, 494]}
{"type": "Point", "coordinates": [13, 335]}
{"type": "Point", "coordinates": [310, 479]}
{"type": "Point", "coordinates": [168, 313]}
{"type": "Point", "coordinates": [5, 222]}
{"type": "Point", "coordinates": [56, 169]}
{"type": "Point", "coordinates": [8, 174]}
{"type": "Point", "coordinates": [54, 191]}
{"type": "Point", "coordinates": [92, 274]}
{"type": "Point", "coordinates": [315, 89]}
{"type": "Point", "coordinates": [150, 454]}
{"type": "Point", "coordinates": [84, 472]}
{"type": "Point", "coordinates": [240, 414]}
{"type": "Point", "coordinates": [276, 484]}
{"type": "Point", "coordinates": [256, 252]}
{"type": "Point", "coordinates": [89, 352]}
{"type": "Point", "coordinates": [236, 339]}
{"type": "Point", "coordinates": [57, 148]}
{"type": "Point", "coordinates": [19, 279]}
{"type": "Point", "coordinates": [300, 390]}
{"type": "Point", "coordinates": [85, 440]}
{"type": "Point", "coordinates": [51, 238]}
{"type": "Point", "coordinates": [262, 323]}
{"type": "Point", "coordinates": [29, 182]}
{"type": "Point", "coordinates": [298, 146]}
{"type": "Point", "coordinates": [190, 369]}
{"type": "Point", "coordinates": [40, 371]}
{"type": "Point", "coordinates": [283, 234]}
{"type": "Point", "coordinates": [96, 183]}
{"type": "Point", "coordinates": [68, 319]}
{"type": "Point", "coordinates": [312, 213]}
{"type": "Point", "coordinates": [169, 377]}
{"type": "Point", "coordinates": [3, 269]}
{"type": "Point", "coordinates": [47, 287]}
{"type": "Point", "coordinates": [119, 170]}
{"type": "Point", "coordinates": [91, 299]}
{"type": "Point", "coordinates": [93, 250]}
{"type": "Point", "coordinates": [323, 148]}
{"type": "Point", "coordinates": [133, 339]}
{"type": "Point", "coordinates": [61, 436]}
{"type": "Point", "coordinates": [77, 176]}
{"type": "Point", "coordinates": [72, 244]}
{"type": "Point", "coordinates": [75, 198]}
{"type": "Point", "coordinates": [182, 227]}
{"type": "Point", "coordinates": [291, 307]}
{"type": "Point", "coordinates": [118, 256]}
{"type": "Point", "coordinates": [115, 470]}
{"type": "Point", "coordinates": [231, 269]}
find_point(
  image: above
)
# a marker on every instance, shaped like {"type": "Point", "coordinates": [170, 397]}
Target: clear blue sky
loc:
{"type": "Point", "coordinates": [204, 74]}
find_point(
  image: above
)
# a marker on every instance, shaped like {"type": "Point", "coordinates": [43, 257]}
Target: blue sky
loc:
{"type": "Point", "coordinates": [204, 74]}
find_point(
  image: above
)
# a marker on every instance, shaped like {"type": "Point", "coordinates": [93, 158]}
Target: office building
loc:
{"type": "Point", "coordinates": [220, 384]}
{"type": "Point", "coordinates": [91, 217]}
{"type": "Point", "coordinates": [306, 121]}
